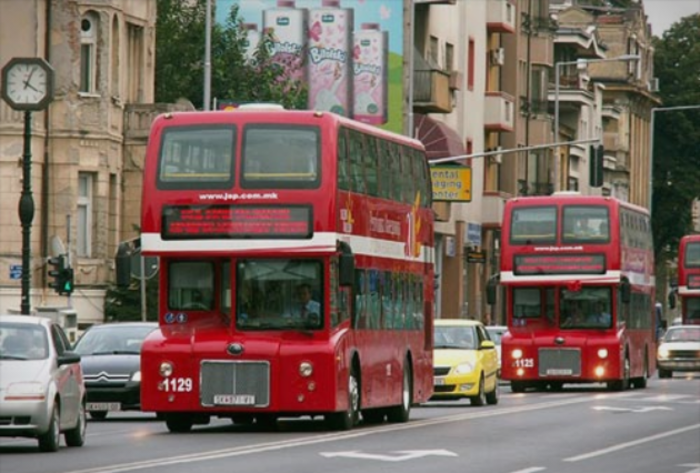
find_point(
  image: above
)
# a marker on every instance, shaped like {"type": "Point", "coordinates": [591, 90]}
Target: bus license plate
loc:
{"type": "Point", "coordinates": [439, 381]}
{"type": "Point", "coordinates": [559, 372]}
{"type": "Point", "coordinates": [103, 406]}
{"type": "Point", "coordinates": [234, 399]}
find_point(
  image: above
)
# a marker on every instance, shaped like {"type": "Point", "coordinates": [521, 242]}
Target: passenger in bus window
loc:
{"type": "Point", "coordinates": [600, 316]}
{"type": "Point", "coordinates": [574, 317]}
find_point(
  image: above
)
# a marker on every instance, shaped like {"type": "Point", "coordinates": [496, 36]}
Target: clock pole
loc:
{"type": "Point", "coordinates": [26, 211]}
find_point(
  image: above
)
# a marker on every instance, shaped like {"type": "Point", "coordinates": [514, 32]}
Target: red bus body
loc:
{"type": "Point", "coordinates": [689, 279]}
{"type": "Point", "coordinates": [211, 358]}
{"type": "Point", "coordinates": [565, 260]}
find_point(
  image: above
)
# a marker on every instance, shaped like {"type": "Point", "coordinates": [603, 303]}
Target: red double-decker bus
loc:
{"type": "Point", "coordinates": [578, 279]}
{"type": "Point", "coordinates": [297, 263]}
{"type": "Point", "coordinates": [689, 279]}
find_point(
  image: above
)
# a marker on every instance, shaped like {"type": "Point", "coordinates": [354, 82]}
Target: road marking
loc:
{"type": "Point", "coordinates": [325, 438]}
{"type": "Point", "coordinates": [530, 470]}
{"type": "Point", "coordinates": [692, 465]}
{"type": "Point", "coordinates": [396, 457]}
{"type": "Point", "coordinates": [632, 409]}
{"type": "Point", "coordinates": [633, 443]}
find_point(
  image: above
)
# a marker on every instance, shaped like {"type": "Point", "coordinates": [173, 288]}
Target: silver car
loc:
{"type": "Point", "coordinates": [42, 393]}
{"type": "Point", "coordinates": [679, 350]}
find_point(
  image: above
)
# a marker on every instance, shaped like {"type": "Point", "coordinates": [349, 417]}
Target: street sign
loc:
{"type": "Point", "coordinates": [15, 271]}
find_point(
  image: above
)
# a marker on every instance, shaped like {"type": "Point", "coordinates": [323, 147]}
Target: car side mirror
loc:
{"type": "Point", "coordinates": [487, 345]}
{"type": "Point", "coordinates": [68, 358]}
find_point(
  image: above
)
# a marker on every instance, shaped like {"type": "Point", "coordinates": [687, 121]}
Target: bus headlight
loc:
{"type": "Point", "coordinates": [517, 353]}
{"type": "Point", "coordinates": [464, 368]}
{"type": "Point", "coordinates": [663, 352]}
{"type": "Point", "coordinates": [602, 353]}
{"type": "Point", "coordinates": [599, 371]}
{"type": "Point", "coordinates": [166, 369]}
{"type": "Point", "coordinates": [306, 369]}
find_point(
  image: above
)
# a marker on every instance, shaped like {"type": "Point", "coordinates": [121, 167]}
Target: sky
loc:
{"type": "Point", "coordinates": [664, 13]}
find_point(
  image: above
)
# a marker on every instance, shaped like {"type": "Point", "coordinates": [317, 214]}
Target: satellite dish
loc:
{"type": "Point", "coordinates": [57, 247]}
{"type": "Point", "coordinates": [150, 265]}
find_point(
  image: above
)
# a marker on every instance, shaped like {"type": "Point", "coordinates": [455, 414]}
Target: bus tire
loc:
{"type": "Point", "coordinates": [665, 373]}
{"type": "Point", "coordinates": [179, 423]}
{"type": "Point", "coordinates": [641, 382]}
{"type": "Point", "coordinates": [402, 412]}
{"type": "Point", "coordinates": [347, 419]}
{"type": "Point", "coordinates": [517, 386]}
{"type": "Point", "coordinates": [624, 383]}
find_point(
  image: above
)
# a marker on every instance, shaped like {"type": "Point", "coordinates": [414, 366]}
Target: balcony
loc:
{"type": "Point", "coordinates": [492, 208]}
{"type": "Point", "coordinates": [498, 112]}
{"type": "Point", "coordinates": [500, 16]}
{"type": "Point", "coordinates": [431, 91]}
{"type": "Point", "coordinates": [573, 91]}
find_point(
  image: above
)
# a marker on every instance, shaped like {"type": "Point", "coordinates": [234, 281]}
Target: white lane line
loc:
{"type": "Point", "coordinates": [320, 439]}
{"type": "Point", "coordinates": [530, 470]}
{"type": "Point", "coordinates": [633, 443]}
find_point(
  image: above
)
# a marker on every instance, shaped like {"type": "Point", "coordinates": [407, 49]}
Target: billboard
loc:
{"type": "Point", "coordinates": [451, 183]}
{"type": "Point", "coordinates": [348, 52]}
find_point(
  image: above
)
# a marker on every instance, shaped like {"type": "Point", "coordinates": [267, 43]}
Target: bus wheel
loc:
{"type": "Point", "coordinates": [641, 382]}
{"type": "Point", "coordinates": [347, 419]}
{"type": "Point", "coordinates": [517, 386]}
{"type": "Point", "coordinates": [402, 412]}
{"type": "Point", "coordinates": [665, 373]}
{"type": "Point", "coordinates": [179, 423]}
{"type": "Point", "coordinates": [624, 383]}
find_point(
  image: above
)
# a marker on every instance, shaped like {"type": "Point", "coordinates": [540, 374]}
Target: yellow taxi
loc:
{"type": "Point", "coordinates": [465, 362]}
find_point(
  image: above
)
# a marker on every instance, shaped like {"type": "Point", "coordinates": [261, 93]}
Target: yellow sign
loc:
{"type": "Point", "coordinates": [451, 183]}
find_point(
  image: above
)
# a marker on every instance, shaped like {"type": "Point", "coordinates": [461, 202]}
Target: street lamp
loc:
{"type": "Point", "coordinates": [557, 67]}
{"type": "Point", "coordinates": [651, 144]}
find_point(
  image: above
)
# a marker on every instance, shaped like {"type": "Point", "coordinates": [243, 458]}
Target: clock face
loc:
{"type": "Point", "coordinates": [27, 83]}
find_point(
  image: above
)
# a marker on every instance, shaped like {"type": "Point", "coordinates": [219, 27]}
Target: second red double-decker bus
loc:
{"type": "Point", "coordinates": [296, 252]}
{"type": "Point", "coordinates": [578, 274]}
{"type": "Point", "coordinates": [689, 279]}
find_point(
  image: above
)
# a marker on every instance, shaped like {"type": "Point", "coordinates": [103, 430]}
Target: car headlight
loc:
{"type": "Point", "coordinates": [306, 369]}
{"type": "Point", "coordinates": [166, 369]}
{"type": "Point", "coordinates": [25, 391]}
{"type": "Point", "coordinates": [663, 352]}
{"type": "Point", "coordinates": [463, 368]}
{"type": "Point", "coordinates": [136, 377]}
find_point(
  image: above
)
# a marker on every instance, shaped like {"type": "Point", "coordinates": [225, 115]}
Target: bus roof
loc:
{"type": "Point", "coordinates": [568, 197]}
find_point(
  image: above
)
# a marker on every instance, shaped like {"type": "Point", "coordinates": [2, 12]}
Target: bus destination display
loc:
{"type": "Point", "coordinates": [559, 264]}
{"type": "Point", "coordinates": [228, 221]}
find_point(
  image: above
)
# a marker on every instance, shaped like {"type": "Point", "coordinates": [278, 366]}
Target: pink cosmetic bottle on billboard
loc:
{"type": "Point", "coordinates": [288, 26]}
{"type": "Point", "coordinates": [370, 85]}
{"type": "Point", "coordinates": [252, 40]}
{"type": "Point", "coordinates": [329, 63]}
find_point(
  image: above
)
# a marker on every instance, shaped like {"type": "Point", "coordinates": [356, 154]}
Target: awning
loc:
{"type": "Point", "coordinates": [439, 139]}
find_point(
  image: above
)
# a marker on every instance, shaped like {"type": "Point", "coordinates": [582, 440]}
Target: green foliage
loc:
{"type": "Point", "coordinates": [180, 41]}
{"type": "Point", "coordinates": [122, 305]}
{"type": "Point", "coordinates": [676, 173]}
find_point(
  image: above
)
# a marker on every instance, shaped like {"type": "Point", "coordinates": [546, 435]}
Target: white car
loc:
{"type": "Point", "coordinates": [496, 332]}
{"type": "Point", "coordinates": [42, 393]}
{"type": "Point", "coordinates": [679, 350]}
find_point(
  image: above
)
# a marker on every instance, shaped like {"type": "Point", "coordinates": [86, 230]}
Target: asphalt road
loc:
{"type": "Point", "coordinates": [578, 430]}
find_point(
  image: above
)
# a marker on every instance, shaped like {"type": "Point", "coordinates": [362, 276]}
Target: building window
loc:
{"type": "Point", "coordinates": [539, 88]}
{"type": "Point", "coordinates": [135, 55]}
{"type": "Point", "coordinates": [88, 53]}
{"type": "Point", "coordinates": [434, 51]}
{"type": "Point", "coordinates": [449, 57]}
{"type": "Point", "coordinates": [85, 201]}
{"type": "Point", "coordinates": [471, 62]}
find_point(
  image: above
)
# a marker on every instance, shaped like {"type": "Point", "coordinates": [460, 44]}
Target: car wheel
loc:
{"type": "Point", "coordinates": [402, 412]}
{"type": "Point", "coordinates": [98, 415]}
{"type": "Point", "coordinates": [75, 437]}
{"type": "Point", "coordinates": [665, 373]}
{"type": "Point", "coordinates": [348, 419]}
{"type": "Point", "coordinates": [480, 398]}
{"type": "Point", "coordinates": [49, 441]}
{"type": "Point", "coordinates": [492, 397]}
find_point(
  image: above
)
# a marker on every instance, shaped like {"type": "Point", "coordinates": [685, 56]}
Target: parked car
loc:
{"type": "Point", "coordinates": [679, 350]}
{"type": "Point", "coordinates": [111, 360]}
{"type": "Point", "coordinates": [495, 333]}
{"type": "Point", "coordinates": [465, 362]}
{"type": "Point", "coordinates": [42, 393]}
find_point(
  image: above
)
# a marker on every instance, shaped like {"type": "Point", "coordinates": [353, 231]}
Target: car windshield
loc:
{"type": "Point", "coordinates": [112, 339]}
{"type": "Point", "coordinates": [454, 336]}
{"type": "Point", "coordinates": [683, 334]}
{"type": "Point", "coordinates": [23, 342]}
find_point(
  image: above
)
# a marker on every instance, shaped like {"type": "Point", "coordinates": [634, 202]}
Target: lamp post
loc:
{"type": "Point", "coordinates": [651, 144]}
{"type": "Point", "coordinates": [557, 73]}
{"type": "Point", "coordinates": [207, 58]}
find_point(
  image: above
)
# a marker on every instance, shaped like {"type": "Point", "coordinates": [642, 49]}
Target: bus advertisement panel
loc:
{"type": "Point", "coordinates": [689, 279]}
{"type": "Point", "coordinates": [577, 274]}
{"type": "Point", "coordinates": [297, 257]}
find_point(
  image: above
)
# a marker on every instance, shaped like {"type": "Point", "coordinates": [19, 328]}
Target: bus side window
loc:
{"type": "Point", "coordinates": [360, 300]}
{"type": "Point", "coordinates": [370, 165]}
{"type": "Point", "coordinates": [343, 164]}
{"type": "Point", "coordinates": [397, 181]}
{"type": "Point", "coordinates": [357, 183]}
{"type": "Point", "coordinates": [385, 171]}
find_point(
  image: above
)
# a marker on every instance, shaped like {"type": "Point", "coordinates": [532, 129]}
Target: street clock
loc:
{"type": "Point", "coordinates": [27, 83]}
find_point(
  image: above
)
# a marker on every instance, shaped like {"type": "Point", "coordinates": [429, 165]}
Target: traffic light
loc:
{"type": "Point", "coordinates": [67, 281]}
{"type": "Point", "coordinates": [57, 269]}
{"type": "Point", "coordinates": [597, 158]}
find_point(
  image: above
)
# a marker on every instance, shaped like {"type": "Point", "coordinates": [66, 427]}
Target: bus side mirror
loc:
{"type": "Point", "coordinates": [123, 265]}
{"type": "Point", "coordinates": [491, 291]}
{"type": "Point", "coordinates": [625, 291]}
{"type": "Point", "coordinates": [672, 300]}
{"type": "Point", "coordinates": [346, 276]}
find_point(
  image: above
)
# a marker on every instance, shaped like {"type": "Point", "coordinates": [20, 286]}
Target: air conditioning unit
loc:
{"type": "Point", "coordinates": [654, 85]}
{"type": "Point", "coordinates": [498, 56]}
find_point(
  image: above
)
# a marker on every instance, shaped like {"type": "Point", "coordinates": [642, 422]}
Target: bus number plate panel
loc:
{"type": "Point", "coordinates": [234, 400]}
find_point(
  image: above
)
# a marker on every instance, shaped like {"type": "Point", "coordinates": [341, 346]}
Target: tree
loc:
{"type": "Point", "coordinates": [676, 173]}
{"type": "Point", "coordinates": [180, 35]}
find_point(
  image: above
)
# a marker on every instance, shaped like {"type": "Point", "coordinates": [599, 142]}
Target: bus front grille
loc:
{"type": "Point", "coordinates": [235, 383]}
{"type": "Point", "coordinates": [559, 362]}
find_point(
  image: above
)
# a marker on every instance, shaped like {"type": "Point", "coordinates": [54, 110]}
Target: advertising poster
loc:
{"type": "Point", "coordinates": [349, 53]}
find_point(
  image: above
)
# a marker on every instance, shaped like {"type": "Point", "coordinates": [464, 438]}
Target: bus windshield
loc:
{"type": "Point", "coordinates": [279, 294]}
{"type": "Point", "coordinates": [588, 307]}
{"type": "Point", "coordinates": [692, 255]}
